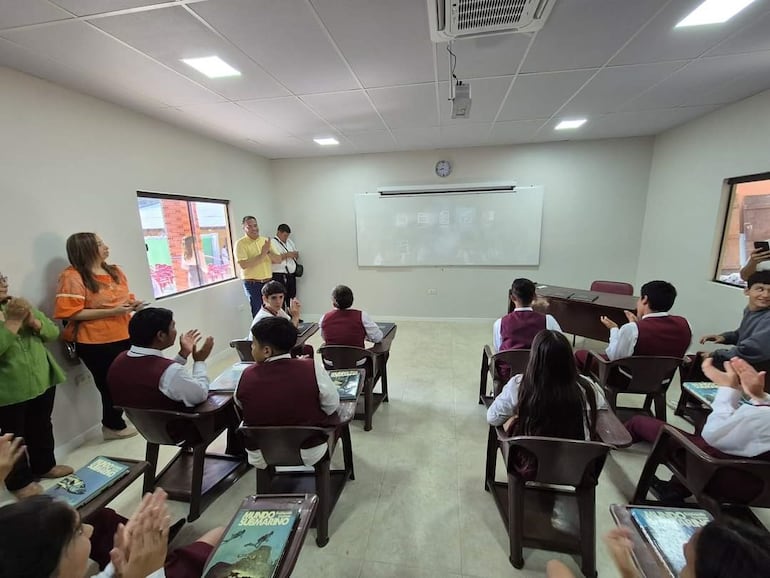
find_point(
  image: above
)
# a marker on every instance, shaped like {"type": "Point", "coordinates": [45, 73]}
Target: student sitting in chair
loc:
{"type": "Point", "coordinates": [273, 295]}
{"type": "Point", "coordinates": [143, 378]}
{"type": "Point", "coordinates": [751, 341]}
{"type": "Point", "coordinates": [549, 399]}
{"type": "Point", "coordinates": [346, 326]}
{"type": "Point", "coordinates": [732, 428]}
{"type": "Point", "coordinates": [282, 391]}
{"type": "Point", "coordinates": [517, 329]}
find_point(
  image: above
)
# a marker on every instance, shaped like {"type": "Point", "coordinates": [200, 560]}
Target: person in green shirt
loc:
{"type": "Point", "coordinates": [28, 376]}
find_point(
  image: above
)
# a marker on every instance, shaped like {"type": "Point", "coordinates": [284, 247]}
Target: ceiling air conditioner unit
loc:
{"type": "Point", "coordinates": [451, 19]}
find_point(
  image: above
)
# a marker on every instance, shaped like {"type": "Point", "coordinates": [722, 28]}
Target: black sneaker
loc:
{"type": "Point", "coordinates": [669, 492]}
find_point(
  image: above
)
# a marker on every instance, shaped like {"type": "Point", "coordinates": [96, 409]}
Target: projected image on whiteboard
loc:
{"type": "Point", "coordinates": [457, 229]}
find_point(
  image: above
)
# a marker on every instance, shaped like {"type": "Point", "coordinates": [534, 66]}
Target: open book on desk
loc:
{"type": "Point", "coordinates": [228, 380]}
{"type": "Point", "coordinates": [88, 482]}
{"type": "Point", "coordinates": [706, 391]}
{"type": "Point", "coordinates": [255, 542]}
{"type": "Point", "coordinates": [385, 327]}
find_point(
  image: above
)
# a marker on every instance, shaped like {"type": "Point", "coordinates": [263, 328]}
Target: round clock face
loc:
{"type": "Point", "coordinates": [443, 168]}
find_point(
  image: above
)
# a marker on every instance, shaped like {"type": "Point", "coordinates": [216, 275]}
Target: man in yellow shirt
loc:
{"type": "Point", "coordinates": [253, 254]}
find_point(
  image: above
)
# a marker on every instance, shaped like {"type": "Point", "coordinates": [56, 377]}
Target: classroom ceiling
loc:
{"type": "Point", "coordinates": [366, 72]}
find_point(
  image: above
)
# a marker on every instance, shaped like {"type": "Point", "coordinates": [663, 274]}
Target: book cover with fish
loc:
{"type": "Point", "coordinates": [347, 381]}
{"type": "Point", "coordinates": [88, 482]}
{"type": "Point", "coordinates": [254, 542]}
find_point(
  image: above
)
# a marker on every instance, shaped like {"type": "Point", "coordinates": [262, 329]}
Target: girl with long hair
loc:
{"type": "Point", "coordinates": [194, 262]}
{"type": "Point", "coordinates": [93, 297]}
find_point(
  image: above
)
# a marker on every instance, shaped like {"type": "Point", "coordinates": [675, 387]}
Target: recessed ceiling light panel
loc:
{"type": "Point", "coordinates": [212, 66]}
{"type": "Point", "coordinates": [327, 141]}
{"type": "Point", "coordinates": [570, 124]}
{"type": "Point", "coordinates": [714, 12]}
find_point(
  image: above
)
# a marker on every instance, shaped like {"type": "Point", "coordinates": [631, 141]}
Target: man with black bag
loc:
{"type": "Point", "coordinates": [285, 266]}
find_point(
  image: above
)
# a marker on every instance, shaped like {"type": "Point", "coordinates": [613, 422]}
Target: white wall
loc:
{"type": "Point", "coordinates": [686, 203]}
{"type": "Point", "coordinates": [592, 220]}
{"type": "Point", "coordinates": [72, 163]}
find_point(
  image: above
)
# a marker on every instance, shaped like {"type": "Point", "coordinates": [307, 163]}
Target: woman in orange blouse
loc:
{"type": "Point", "coordinates": [94, 299]}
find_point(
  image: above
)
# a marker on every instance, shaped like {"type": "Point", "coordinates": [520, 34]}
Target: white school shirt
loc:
{"type": "Point", "coordinates": [177, 382]}
{"type": "Point", "coordinates": [497, 338]}
{"type": "Point", "coordinates": [289, 265]}
{"type": "Point", "coordinates": [330, 401]}
{"type": "Point", "coordinates": [262, 314]}
{"type": "Point", "coordinates": [736, 428]}
{"type": "Point", "coordinates": [623, 339]}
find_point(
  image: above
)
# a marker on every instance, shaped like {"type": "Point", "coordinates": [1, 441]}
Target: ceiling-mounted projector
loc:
{"type": "Point", "coordinates": [461, 103]}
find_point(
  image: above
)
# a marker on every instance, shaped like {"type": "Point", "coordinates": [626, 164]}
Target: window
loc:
{"type": "Point", "coordinates": [748, 221]}
{"type": "Point", "coordinates": [187, 240]}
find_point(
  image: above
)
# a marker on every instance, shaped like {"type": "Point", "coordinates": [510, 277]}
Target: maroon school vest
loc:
{"type": "Point", "coordinates": [282, 392]}
{"type": "Point", "coordinates": [668, 335]}
{"type": "Point", "coordinates": [518, 329]}
{"type": "Point", "coordinates": [135, 382]}
{"type": "Point", "coordinates": [343, 327]}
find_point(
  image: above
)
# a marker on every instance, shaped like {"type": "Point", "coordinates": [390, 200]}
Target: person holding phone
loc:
{"type": "Point", "coordinates": [759, 260]}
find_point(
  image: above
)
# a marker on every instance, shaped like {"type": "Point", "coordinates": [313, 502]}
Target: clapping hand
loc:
{"type": "Point", "coordinates": [33, 323]}
{"type": "Point", "coordinates": [11, 449]}
{"type": "Point", "coordinates": [632, 318]}
{"type": "Point", "coordinates": [751, 380]}
{"type": "Point", "coordinates": [187, 342]}
{"type": "Point", "coordinates": [18, 309]}
{"type": "Point", "coordinates": [618, 541]}
{"type": "Point", "coordinates": [295, 308]}
{"type": "Point", "coordinates": [202, 353]}
{"type": "Point", "coordinates": [142, 544]}
{"type": "Point", "coordinates": [608, 323]}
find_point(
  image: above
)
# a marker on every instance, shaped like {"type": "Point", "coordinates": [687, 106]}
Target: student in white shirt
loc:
{"type": "Point", "coordinates": [273, 295]}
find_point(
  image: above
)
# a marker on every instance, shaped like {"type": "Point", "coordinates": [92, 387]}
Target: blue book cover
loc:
{"type": "Point", "coordinates": [668, 530]}
{"type": "Point", "coordinates": [706, 391]}
{"type": "Point", "coordinates": [228, 379]}
{"type": "Point", "coordinates": [254, 543]}
{"type": "Point", "coordinates": [89, 481]}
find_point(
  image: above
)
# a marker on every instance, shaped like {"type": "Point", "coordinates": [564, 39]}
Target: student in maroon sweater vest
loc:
{"type": "Point", "coordinates": [144, 378]}
{"type": "Point", "coordinates": [346, 326]}
{"type": "Point", "coordinates": [281, 390]}
{"type": "Point", "coordinates": [517, 330]}
{"type": "Point", "coordinates": [651, 331]}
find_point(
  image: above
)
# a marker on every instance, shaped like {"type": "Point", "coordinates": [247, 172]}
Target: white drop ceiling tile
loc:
{"type": "Point", "coordinates": [87, 7]}
{"type": "Point", "coordinates": [80, 46]}
{"type": "Point", "coordinates": [371, 140]}
{"type": "Point", "coordinates": [512, 132]}
{"type": "Point", "coordinates": [285, 38]}
{"type": "Point", "coordinates": [613, 86]}
{"type": "Point", "coordinates": [24, 12]}
{"type": "Point", "coordinates": [640, 123]}
{"type": "Point", "coordinates": [418, 138]}
{"type": "Point", "coordinates": [171, 34]}
{"type": "Point", "coordinates": [289, 114]}
{"type": "Point", "coordinates": [541, 95]}
{"type": "Point", "coordinates": [750, 75]}
{"type": "Point", "coordinates": [486, 97]}
{"type": "Point", "coordinates": [475, 134]}
{"type": "Point", "coordinates": [496, 55]}
{"type": "Point", "coordinates": [662, 41]}
{"type": "Point", "coordinates": [406, 106]}
{"type": "Point", "coordinates": [586, 33]}
{"type": "Point", "coordinates": [235, 118]}
{"type": "Point", "coordinates": [753, 38]}
{"type": "Point", "coordinates": [386, 43]}
{"type": "Point", "coordinates": [348, 111]}
{"type": "Point", "coordinates": [695, 83]}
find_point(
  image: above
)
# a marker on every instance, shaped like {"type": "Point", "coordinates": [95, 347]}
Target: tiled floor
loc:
{"type": "Point", "coordinates": [417, 508]}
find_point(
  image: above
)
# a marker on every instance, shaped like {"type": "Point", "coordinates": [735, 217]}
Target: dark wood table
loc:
{"type": "Point", "coordinates": [645, 556]}
{"type": "Point", "coordinates": [580, 317]}
{"type": "Point", "coordinates": [304, 332]}
{"type": "Point", "coordinates": [135, 469]}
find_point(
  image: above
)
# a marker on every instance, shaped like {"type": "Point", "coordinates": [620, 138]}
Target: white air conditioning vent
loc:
{"type": "Point", "coordinates": [450, 19]}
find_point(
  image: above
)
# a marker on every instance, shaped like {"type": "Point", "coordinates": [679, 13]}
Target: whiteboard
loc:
{"type": "Point", "coordinates": [501, 228]}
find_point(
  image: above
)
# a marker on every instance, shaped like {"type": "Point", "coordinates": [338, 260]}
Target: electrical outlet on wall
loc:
{"type": "Point", "coordinates": [432, 291]}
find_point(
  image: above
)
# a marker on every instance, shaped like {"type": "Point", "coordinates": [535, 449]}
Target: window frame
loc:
{"type": "Point", "coordinates": [732, 183]}
{"type": "Point", "coordinates": [192, 199]}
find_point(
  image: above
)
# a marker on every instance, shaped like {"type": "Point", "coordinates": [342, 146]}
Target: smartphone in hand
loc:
{"type": "Point", "coordinates": [761, 246]}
